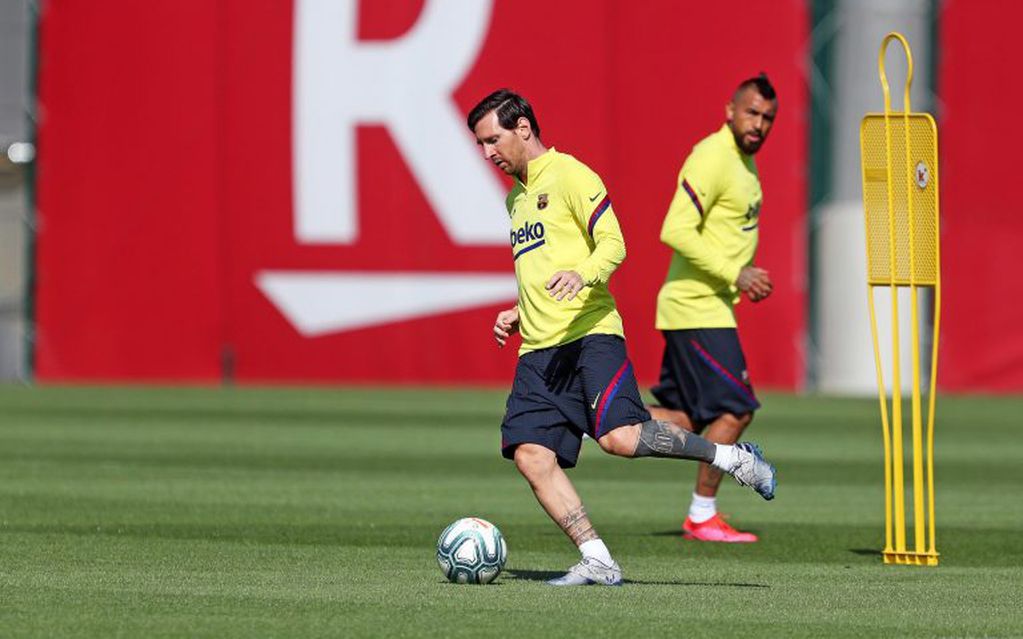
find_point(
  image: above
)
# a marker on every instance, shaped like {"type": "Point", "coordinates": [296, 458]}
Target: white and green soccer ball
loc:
{"type": "Point", "coordinates": [471, 551]}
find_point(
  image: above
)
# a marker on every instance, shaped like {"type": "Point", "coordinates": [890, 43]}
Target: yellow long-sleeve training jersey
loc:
{"type": "Point", "coordinates": [562, 220]}
{"type": "Point", "coordinates": [712, 227]}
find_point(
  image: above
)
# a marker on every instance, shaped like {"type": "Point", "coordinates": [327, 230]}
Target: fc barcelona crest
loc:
{"type": "Point", "coordinates": [541, 201]}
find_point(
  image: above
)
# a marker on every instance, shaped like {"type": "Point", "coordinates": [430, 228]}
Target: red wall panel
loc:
{"type": "Point", "coordinates": [154, 238]}
{"type": "Point", "coordinates": [981, 346]}
{"type": "Point", "coordinates": [129, 278]}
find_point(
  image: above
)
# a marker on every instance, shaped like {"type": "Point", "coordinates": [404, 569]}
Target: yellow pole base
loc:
{"type": "Point", "coordinates": [911, 558]}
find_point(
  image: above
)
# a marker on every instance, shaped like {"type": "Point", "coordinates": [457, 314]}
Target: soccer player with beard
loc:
{"type": "Point", "coordinates": [573, 376]}
{"type": "Point", "coordinates": [712, 226]}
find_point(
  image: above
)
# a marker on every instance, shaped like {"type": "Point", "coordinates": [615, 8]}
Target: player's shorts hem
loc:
{"type": "Point", "coordinates": [508, 452]}
{"type": "Point", "coordinates": [703, 375]}
{"type": "Point", "coordinates": [664, 400]}
{"type": "Point", "coordinates": [558, 394]}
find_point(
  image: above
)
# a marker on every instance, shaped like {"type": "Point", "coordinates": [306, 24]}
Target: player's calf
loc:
{"type": "Point", "coordinates": [657, 438]}
{"type": "Point", "coordinates": [663, 439]}
{"type": "Point", "coordinates": [654, 438]}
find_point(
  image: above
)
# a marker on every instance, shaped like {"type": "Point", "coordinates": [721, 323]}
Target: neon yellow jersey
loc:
{"type": "Point", "coordinates": [712, 227]}
{"type": "Point", "coordinates": [562, 220]}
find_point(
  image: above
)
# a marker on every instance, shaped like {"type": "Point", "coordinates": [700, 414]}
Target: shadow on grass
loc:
{"type": "Point", "coordinates": [678, 533]}
{"type": "Point", "coordinates": [866, 552]}
{"type": "Point", "coordinates": [546, 575]}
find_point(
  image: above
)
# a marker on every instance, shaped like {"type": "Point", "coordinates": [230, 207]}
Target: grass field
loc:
{"type": "Point", "coordinates": [256, 512]}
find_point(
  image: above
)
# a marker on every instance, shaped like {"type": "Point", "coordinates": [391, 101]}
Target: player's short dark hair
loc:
{"type": "Point", "coordinates": [762, 85]}
{"type": "Point", "coordinates": [510, 106]}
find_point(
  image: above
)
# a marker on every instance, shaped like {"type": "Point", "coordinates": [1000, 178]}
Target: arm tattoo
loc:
{"type": "Point", "coordinates": [577, 526]}
{"type": "Point", "coordinates": [664, 439]}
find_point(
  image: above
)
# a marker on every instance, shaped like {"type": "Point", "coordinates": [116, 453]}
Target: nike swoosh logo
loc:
{"type": "Point", "coordinates": [596, 196]}
{"type": "Point", "coordinates": [595, 399]}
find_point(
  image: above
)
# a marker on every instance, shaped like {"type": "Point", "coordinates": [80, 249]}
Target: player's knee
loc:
{"type": "Point", "coordinates": [728, 428]}
{"type": "Point", "coordinates": [736, 423]}
{"type": "Point", "coordinates": [620, 441]}
{"type": "Point", "coordinates": [743, 420]}
{"type": "Point", "coordinates": [534, 461]}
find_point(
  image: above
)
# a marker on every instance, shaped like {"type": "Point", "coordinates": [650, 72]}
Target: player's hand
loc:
{"type": "Point", "coordinates": [506, 325]}
{"type": "Point", "coordinates": [565, 284]}
{"type": "Point", "coordinates": [755, 283]}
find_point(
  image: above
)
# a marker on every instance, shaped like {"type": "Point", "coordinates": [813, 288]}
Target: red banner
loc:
{"type": "Point", "coordinates": [273, 192]}
{"type": "Point", "coordinates": [981, 346]}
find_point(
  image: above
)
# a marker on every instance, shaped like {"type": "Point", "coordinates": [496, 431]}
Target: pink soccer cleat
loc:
{"type": "Point", "coordinates": [715, 529]}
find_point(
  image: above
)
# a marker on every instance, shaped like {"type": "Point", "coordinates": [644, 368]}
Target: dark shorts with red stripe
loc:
{"type": "Point", "coordinates": [559, 393]}
{"type": "Point", "coordinates": [703, 374]}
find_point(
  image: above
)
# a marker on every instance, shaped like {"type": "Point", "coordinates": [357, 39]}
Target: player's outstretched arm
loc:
{"type": "Point", "coordinates": [506, 325]}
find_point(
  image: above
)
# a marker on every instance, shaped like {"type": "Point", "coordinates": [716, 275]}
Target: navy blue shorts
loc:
{"type": "Point", "coordinates": [559, 393]}
{"type": "Point", "coordinates": [703, 374]}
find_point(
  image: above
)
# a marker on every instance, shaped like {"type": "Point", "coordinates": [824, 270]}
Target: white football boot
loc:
{"type": "Point", "coordinates": [751, 469]}
{"type": "Point", "coordinates": [590, 572]}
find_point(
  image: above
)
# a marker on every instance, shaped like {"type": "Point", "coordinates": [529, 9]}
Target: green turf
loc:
{"type": "Point", "coordinates": [255, 512]}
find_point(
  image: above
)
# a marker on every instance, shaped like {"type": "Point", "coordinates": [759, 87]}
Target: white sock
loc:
{"type": "Point", "coordinates": [724, 457]}
{"type": "Point", "coordinates": [596, 549]}
{"type": "Point", "coordinates": [702, 508]}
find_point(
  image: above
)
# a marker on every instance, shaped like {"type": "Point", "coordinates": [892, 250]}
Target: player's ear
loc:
{"type": "Point", "coordinates": [729, 110]}
{"type": "Point", "coordinates": [523, 128]}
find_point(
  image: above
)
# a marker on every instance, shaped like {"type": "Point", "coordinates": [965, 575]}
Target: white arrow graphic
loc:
{"type": "Point", "coordinates": [321, 302]}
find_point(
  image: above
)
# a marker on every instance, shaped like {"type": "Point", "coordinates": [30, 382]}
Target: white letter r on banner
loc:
{"type": "Point", "coordinates": [405, 84]}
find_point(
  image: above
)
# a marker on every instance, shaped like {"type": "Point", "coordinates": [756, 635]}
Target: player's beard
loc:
{"type": "Point", "coordinates": [740, 141]}
{"type": "Point", "coordinates": [749, 148]}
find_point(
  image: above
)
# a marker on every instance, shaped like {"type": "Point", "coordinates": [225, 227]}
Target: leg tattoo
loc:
{"type": "Point", "coordinates": [577, 526]}
{"type": "Point", "coordinates": [664, 439]}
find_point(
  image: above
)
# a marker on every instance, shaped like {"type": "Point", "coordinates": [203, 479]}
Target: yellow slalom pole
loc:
{"type": "Point", "coordinates": [898, 479]}
{"type": "Point", "coordinates": [932, 549]}
{"type": "Point", "coordinates": [918, 478]}
{"type": "Point", "coordinates": [885, 432]}
{"type": "Point", "coordinates": [902, 226]}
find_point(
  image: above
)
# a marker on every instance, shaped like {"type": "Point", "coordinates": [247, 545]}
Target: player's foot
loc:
{"type": "Point", "coordinates": [751, 469]}
{"type": "Point", "coordinates": [589, 572]}
{"type": "Point", "coordinates": [715, 529]}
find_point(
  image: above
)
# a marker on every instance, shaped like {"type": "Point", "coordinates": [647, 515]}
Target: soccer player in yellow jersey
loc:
{"type": "Point", "coordinates": [712, 226]}
{"type": "Point", "coordinates": [573, 376]}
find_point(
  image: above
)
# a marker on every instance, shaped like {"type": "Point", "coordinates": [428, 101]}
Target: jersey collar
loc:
{"type": "Point", "coordinates": [536, 166]}
{"type": "Point", "coordinates": [726, 132]}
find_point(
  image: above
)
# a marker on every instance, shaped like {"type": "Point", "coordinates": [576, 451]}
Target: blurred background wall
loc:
{"type": "Point", "coordinates": [847, 34]}
{"type": "Point", "coordinates": [277, 191]}
{"type": "Point", "coordinates": [15, 148]}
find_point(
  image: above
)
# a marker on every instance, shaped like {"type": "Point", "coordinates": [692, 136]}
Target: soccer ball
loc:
{"type": "Point", "coordinates": [471, 551]}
